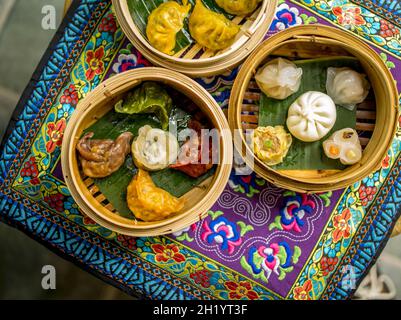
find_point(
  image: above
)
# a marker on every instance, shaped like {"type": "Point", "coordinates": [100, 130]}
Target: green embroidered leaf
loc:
{"type": "Point", "coordinates": [282, 255]}
{"type": "Point", "coordinates": [326, 197]}
{"type": "Point", "coordinates": [284, 271]}
{"type": "Point", "coordinates": [260, 182]}
{"type": "Point", "coordinates": [296, 255]}
{"type": "Point", "coordinates": [289, 194]}
{"type": "Point", "coordinates": [257, 259]}
{"type": "Point", "coordinates": [308, 20]}
{"type": "Point", "coordinates": [252, 192]}
{"type": "Point", "coordinates": [276, 224]}
{"type": "Point", "coordinates": [244, 228]}
{"type": "Point", "coordinates": [215, 215]}
{"type": "Point", "coordinates": [185, 237]}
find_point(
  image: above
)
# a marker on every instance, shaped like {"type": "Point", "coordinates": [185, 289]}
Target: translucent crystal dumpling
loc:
{"type": "Point", "coordinates": [279, 78]}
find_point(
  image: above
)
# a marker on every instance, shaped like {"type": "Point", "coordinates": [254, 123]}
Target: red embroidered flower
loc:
{"type": "Point", "coordinates": [388, 30]}
{"type": "Point", "coordinates": [70, 96]}
{"type": "Point", "coordinates": [386, 162]}
{"type": "Point", "coordinates": [108, 24]}
{"type": "Point", "coordinates": [94, 60]}
{"type": "Point", "coordinates": [328, 264]}
{"type": "Point", "coordinates": [241, 290]}
{"type": "Point", "coordinates": [303, 292]}
{"type": "Point", "coordinates": [349, 16]}
{"type": "Point", "coordinates": [341, 225]}
{"type": "Point", "coordinates": [55, 133]}
{"type": "Point", "coordinates": [127, 241]}
{"type": "Point", "coordinates": [167, 253]}
{"type": "Point", "coordinates": [88, 221]}
{"type": "Point", "coordinates": [367, 194]}
{"type": "Point", "coordinates": [55, 201]}
{"type": "Point", "coordinates": [202, 277]}
{"type": "Point", "coordinates": [30, 170]}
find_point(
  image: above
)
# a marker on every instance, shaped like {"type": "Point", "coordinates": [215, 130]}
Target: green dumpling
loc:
{"type": "Point", "coordinates": [150, 97]}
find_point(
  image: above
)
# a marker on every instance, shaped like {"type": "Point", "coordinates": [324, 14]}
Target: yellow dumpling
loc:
{"type": "Point", "coordinates": [164, 23]}
{"type": "Point", "coordinates": [239, 7]}
{"type": "Point", "coordinates": [271, 144]}
{"type": "Point", "coordinates": [210, 29]}
{"type": "Point", "coordinates": [148, 202]}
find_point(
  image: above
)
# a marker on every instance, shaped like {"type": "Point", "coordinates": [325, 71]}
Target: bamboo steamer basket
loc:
{"type": "Point", "coordinates": [100, 101]}
{"type": "Point", "coordinates": [376, 119]}
{"type": "Point", "coordinates": [194, 61]}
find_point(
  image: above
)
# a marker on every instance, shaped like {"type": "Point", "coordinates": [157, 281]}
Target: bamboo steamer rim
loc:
{"type": "Point", "coordinates": [112, 88]}
{"type": "Point", "coordinates": [328, 35]}
{"type": "Point", "coordinates": [199, 67]}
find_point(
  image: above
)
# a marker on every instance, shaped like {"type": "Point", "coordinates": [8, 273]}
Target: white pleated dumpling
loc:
{"type": "Point", "coordinates": [311, 116]}
{"type": "Point", "coordinates": [279, 78]}
{"type": "Point", "coordinates": [347, 87]}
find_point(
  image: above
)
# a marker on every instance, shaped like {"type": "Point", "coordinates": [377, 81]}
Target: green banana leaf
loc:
{"type": "Point", "coordinates": [114, 187]}
{"type": "Point", "coordinates": [141, 9]}
{"type": "Point", "coordinates": [272, 112]}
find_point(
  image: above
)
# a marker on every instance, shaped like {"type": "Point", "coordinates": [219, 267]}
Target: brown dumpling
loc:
{"type": "Point", "coordinates": [101, 158]}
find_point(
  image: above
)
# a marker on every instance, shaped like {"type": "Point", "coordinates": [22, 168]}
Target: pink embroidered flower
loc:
{"type": "Point", "coordinates": [271, 261]}
{"type": "Point", "coordinates": [223, 232]}
{"type": "Point", "coordinates": [350, 16]}
{"type": "Point", "coordinates": [294, 210]}
{"type": "Point", "coordinates": [128, 62]}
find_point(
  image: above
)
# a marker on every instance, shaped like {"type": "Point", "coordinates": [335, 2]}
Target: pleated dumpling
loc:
{"type": "Point", "coordinates": [210, 29]}
{"type": "Point", "coordinates": [311, 116]}
{"type": "Point", "coordinates": [148, 202]}
{"type": "Point", "coordinates": [164, 23]}
{"type": "Point", "coordinates": [239, 7]}
{"type": "Point", "coordinates": [347, 87]}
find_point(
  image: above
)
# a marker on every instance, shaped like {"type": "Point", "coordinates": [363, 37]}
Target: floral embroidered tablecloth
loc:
{"type": "Point", "coordinates": [259, 241]}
